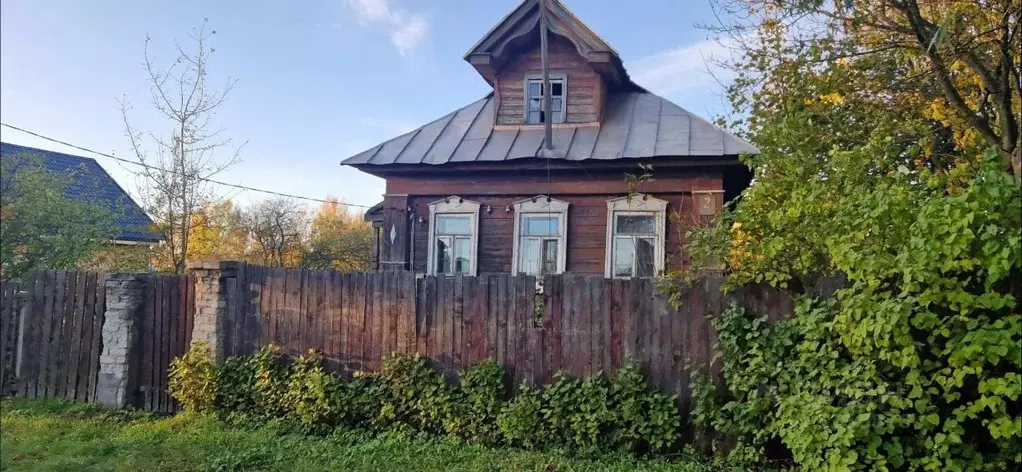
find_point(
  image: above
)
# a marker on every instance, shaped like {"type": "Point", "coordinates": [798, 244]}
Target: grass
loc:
{"type": "Point", "coordinates": [54, 436]}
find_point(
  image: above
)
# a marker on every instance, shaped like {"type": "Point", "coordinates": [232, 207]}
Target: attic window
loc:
{"type": "Point", "coordinates": [534, 112]}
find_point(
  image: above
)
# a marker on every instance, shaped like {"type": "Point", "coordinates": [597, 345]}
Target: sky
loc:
{"type": "Point", "coordinates": [317, 80]}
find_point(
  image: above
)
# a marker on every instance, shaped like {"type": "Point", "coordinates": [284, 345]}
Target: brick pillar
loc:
{"type": "Point", "coordinates": [118, 363]}
{"type": "Point", "coordinates": [394, 250]}
{"type": "Point", "coordinates": [211, 303]}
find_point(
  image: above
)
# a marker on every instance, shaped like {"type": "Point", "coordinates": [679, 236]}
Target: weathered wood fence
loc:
{"type": "Point", "coordinates": [52, 335]}
{"type": "Point", "coordinates": [580, 324]}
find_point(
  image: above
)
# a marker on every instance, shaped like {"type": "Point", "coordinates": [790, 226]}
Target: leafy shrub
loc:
{"type": "Point", "coordinates": [482, 395]}
{"type": "Point", "coordinates": [313, 394]}
{"type": "Point", "coordinates": [416, 395]}
{"type": "Point", "coordinates": [408, 397]}
{"type": "Point", "coordinates": [521, 421]}
{"type": "Point", "coordinates": [915, 365]}
{"type": "Point", "coordinates": [271, 383]}
{"type": "Point", "coordinates": [191, 379]}
{"type": "Point", "coordinates": [234, 387]}
{"type": "Point", "coordinates": [643, 420]}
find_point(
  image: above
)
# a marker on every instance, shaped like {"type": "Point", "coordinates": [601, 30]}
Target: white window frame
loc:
{"type": "Point", "coordinates": [554, 77]}
{"type": "Point", "coordinates": [542, 205]}
{"type": "Point", "coordinates": [636, 204]}
{"type": "Point", "coordinates": [455, 206]}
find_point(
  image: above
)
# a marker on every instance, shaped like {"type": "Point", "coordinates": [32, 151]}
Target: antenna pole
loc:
{"type": "Point", "coordinates": [548, 116]}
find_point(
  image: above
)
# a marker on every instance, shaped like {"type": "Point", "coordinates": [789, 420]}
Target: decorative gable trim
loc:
{"type": "Point", "coordinates": [521, 27]}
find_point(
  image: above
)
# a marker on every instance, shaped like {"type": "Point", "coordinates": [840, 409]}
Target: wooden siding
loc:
{"type": "Point", "coordinates": [587, 215]}
{"type": "Point", "coordinates": [585, 86]}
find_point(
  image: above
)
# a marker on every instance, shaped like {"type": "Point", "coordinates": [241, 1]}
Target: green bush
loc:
{"type": "Point", "coordinates": [482, 394]}
{"type": "Point", "coordinates": [521, 421]}
{"type": "Point", "coordinates": [416, 396]}
{"type": "Point", "coordinates": [191, 379]}
{"type": "Point", "coordinates": [409, 396]}
{"type": "Point", "coordinates": [915, 365]}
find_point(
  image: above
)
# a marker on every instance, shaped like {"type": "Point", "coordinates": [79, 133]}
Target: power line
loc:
{"type": "Point", "coordinates": [212, 181]}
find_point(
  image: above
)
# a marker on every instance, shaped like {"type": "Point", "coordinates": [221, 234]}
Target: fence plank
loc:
{"type": "Point", "coordinates": [51, 331]}
{"type": "Point", "coordinates": [99, 314]}
{"type": "Point", "coordinates": [63, 306]}
{"type": "Point", "coordinates": [74, 350]}
{"type": "Point", "coordinates": [7, 315]}
{"type": "Point", "coordinates": [146, 387]}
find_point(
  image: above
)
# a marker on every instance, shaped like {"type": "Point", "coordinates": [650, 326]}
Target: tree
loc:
{"type": "Point", "coordinates": [871, 170]}
{"type": "Point", "coordinates": [177, 166]}
{"type": "Point", "coordinates": [339, 238]}
{"type": "Point", "coordinates": [218, 232]}
{"type": "Point", "coordinates": [955, 63]}
{"type": "Point", "coordinates": [277, 228]}
{"type": "Point", "coordinates": [40, 226]}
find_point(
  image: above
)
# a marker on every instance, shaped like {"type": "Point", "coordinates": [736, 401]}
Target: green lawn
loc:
{"type": "Point", "coordinates": [53, 436]}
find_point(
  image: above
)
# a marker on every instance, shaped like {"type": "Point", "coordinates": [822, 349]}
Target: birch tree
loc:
{"type": "Point", "coordinates": [179, 160]}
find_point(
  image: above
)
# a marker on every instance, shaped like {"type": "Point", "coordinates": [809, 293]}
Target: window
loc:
{"type": "Point", "coordinates": [635, 236]}
{"type": "Point", "coordinates": [534, 111]}
{"type": "Point", "coordinates": [541, 236]}
{"type": "Point", "coordinates": [453, 236]}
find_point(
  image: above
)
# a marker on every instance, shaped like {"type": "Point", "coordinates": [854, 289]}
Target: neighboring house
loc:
{"type": "Point", "coordinates": [476, 191]}
{"type": "Point", "coordinates": [90, 182]}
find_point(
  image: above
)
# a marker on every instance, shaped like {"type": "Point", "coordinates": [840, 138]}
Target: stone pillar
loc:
{"type": "Point", "coordinates": [211, 303]}
{"type": "Point", "coordinates": [394, 250]}
{"type": "Point", "coordinates": [118, 375]}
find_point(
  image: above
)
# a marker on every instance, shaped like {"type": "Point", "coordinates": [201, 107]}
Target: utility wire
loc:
{"type": "Point", "coordinates": [212, 181]}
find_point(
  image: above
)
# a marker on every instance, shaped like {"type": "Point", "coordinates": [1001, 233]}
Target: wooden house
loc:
{"type": "Point", "coordinates": [479, 191]}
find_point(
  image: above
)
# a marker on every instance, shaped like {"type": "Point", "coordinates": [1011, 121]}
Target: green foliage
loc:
{"type": "Point", "coordinates": [521, 421]}
{"type": "Point", "coordinates": [192, 379]}
{"type": "Point", "coordinates": [41, 227]}
{"type": "Point", "coordinates": [643, 419]}
{"type": "Point", "coordinates": [575, 410]}
{"type": "Point", "coordinates": [416, 395]}
{"type": "Point", "coordinates": [409, 396]}
{"type": "Point", "coordinates": [482, 395]}
{"type": "Point", "coordinates": [835, 408]}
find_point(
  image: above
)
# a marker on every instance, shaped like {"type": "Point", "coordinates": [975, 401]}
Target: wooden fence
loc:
{"type": "Point", "coordinates": [165, 333]}
{"type": "Point", "coordinates": [60, 339]}
{"type": "Point", "coordinates": [580, 324]}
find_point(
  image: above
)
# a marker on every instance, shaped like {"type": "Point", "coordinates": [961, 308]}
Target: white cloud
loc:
{"type": "Point", "coordinates": [406, 29]}
{"type": "Point", "coordinates": [682, 68]}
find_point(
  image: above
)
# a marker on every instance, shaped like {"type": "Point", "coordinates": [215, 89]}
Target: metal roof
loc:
{"type": "Point", "coordinates": [635, 125]}
{"type": "Point", "coordinates": [90, 182]}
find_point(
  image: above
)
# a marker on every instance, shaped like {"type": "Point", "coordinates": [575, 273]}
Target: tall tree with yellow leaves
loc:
{"type": "Point", "coordinates": [339, 238]}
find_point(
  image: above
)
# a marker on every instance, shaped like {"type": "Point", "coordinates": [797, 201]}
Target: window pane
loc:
{"type": "Point", "coordinates": [621, 265]}
{"type": "Point", "coordinates": [549, 256]}
{"type": "Point", "coordinates": [534, 117]}
{"type": "Point", "coordinates": [540, 225]}
{"type": "Point", "coordinates": [635, 224]}
{"type": "Point", "coordinates": [448, 224]}
{"type": "Point", "coordinates": [555, 104]}
{"type": "Point", "coordinates": [644, 257]}
{"type": "Point", "coordinates": [535, 104]}
{"type": "Point", "coordinates": [462, 256]}
{"type": "Point", "coordinates": [556, 88]}
{"type": "Point", "coordinates": [443, 256]}
{"type": "Point", "coordinates": [534, 88]}
{"type": "Point", "coordinates": [558, 117]}
{"type": "Point", "coordinates": [528, 261]}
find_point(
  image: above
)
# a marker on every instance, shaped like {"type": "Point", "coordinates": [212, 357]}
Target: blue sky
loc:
{"type": "Point", "coordinates": [318, 80]}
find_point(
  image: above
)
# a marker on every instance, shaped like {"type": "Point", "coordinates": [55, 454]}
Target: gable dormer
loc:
{"type": "Point", "coordinates": [583, 67]}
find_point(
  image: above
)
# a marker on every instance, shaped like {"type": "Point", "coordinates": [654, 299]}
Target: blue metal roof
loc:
{"type": "Point", "coordinates": [89, 181]}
